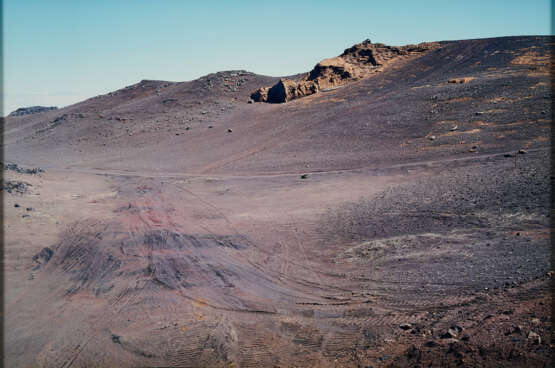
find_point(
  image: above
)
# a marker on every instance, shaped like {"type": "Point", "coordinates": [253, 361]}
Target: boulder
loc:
{"type": "Point", "coordinates": [286, 90]}
{"type": "Point", "coordinates": [260, 95]}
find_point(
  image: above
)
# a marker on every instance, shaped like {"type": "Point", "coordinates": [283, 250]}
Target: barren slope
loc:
{"type": "Point", "coordinates": [390, 222]}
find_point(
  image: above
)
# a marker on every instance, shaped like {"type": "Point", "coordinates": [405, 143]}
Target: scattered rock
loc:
{"type": "Point", "coordinates": [535, 321]}
{"type": "Point", "coordinates": [405, 326]}
{"type": "Point", "coordinates": [460, 80]}
{"type": "Point", "coordinates": [432, 137]}
{"type": "Point", "coordinates": [42, 257]}
{"type": "Point", "coordinates": [116, 339]}
{"type": "Point", "coordinates": [16, 205]}
{"type": "Point", "coordinates": [479, 113]}
{"type": "Point", "coordinates": [304, 176]}
{"type": "Point", "coordinates": [29, 209]}
{"type": "Point", "coordinates": [450, 334]}
{"type": "Point", "coordinates": [456, 127]}
{"type": "Point", "coordinates": [26, 215]}
{"type": "Point", "coordinates": [517, 329]}
{"type": "Point", "coordinates": [16, 186]}
{"type": "Point", "coordinates": [522, 152]}
{"type": "Point", "coordinates": [413, 353]}
{"type": "Point", "coordinates": [14, 167]}
{"type": "Point", "coordinates": [535, 337]}
{"type": "Point", "coordinates": [457, 328]}
{"type": "Point", "coordinates": [229, 130]}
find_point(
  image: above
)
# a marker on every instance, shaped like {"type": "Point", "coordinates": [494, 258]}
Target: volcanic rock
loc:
{"type": "Point", "coordinates": [460, 80]}
{"type": "Point", "coordinates": [31, 110]}
{"type": "Point", "coordinates": [359, 61]}
{"type": "Point", "coordinates": [534, 337]}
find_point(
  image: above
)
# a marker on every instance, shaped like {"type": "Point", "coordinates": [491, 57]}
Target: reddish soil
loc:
{"type": "Point", "coordinates": [388, 223]}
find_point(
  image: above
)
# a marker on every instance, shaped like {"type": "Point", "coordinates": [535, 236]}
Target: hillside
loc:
{"type": "Point", "coordinates": [398, 217]}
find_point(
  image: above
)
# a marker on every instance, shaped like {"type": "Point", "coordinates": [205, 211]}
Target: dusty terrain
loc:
{"type": "Point", "coordinates": [400, 220]}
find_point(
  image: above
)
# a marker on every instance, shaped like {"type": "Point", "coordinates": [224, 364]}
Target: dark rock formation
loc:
{"type": "Point", "coordinates": [32, 110]}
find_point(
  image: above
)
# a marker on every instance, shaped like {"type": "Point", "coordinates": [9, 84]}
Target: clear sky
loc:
{"type": "Point", "coordinates": [59, 52]}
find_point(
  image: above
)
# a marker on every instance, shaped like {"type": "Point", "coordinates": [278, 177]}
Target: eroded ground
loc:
{"type": "Point", "coordinates": [392, 222]}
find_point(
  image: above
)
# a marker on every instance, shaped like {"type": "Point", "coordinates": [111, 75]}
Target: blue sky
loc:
{"type": "Point", "coordinates": [59, 52]}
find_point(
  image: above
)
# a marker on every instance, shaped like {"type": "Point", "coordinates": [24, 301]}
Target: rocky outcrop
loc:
{"type": "Point", "coordinates": [359, 61]}
{"type": "Point", "coordinates": [260, 94]}
{"type": "Point", "coordinates": [31, 110]}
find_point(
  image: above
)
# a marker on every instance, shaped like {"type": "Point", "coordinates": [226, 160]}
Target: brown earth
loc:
{"type": "Point", "coordinates": [401, 220]}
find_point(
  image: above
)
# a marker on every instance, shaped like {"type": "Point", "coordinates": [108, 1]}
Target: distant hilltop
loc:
{"type": "Point", "coordinates": [32, 110]}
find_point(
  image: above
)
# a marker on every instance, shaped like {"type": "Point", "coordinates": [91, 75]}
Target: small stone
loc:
{"type": "Point", "coordinates": [229, 130]}
{"type": "Point", "coordinates": [405, 326]}
{"type": "Point", "coordinates": [29, 209]}
{"type": "Point", "coordinates": [432, 138]}
{"type": "Point", "coordinates": [414, 353]}
{"type": "Point", "coordinates": [456, 127]}
{"type": "Point", "coordinates": [449, 334]}
{"type": "Point", "coordinates": [304, 176]}
{"type": "Point", "coordinates": [26, 215]}
{"type": "Point", "coordinates": [535, 321]}
{"type": "Point", "coordinates": [522, 152]}
{"type": "Point", "coordinates": [479, 113]}
{"type": "Point", "coordinates": [535, 337]}
{"type": "Point", "coordinates": [458, 329]}
{"type": "Point", "coordinates": [16, 205]}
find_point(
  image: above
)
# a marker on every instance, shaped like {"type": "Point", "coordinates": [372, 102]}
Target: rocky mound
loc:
{"type": "Point", "coordinates": [31, 110]}
{"type": "Point", "coordinates": [359, 61]}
